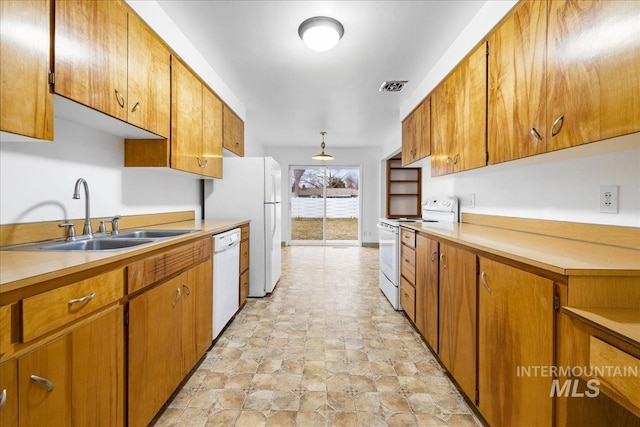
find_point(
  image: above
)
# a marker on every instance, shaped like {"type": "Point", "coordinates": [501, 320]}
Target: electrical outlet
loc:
{"type": "Point", "coordinates": [472, 200]}
{"type": "Point", "coordinates": [609, 199]}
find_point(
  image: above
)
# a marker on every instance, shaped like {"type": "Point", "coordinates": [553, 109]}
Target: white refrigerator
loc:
{"type": "Point", "coordinates": [250, 189]}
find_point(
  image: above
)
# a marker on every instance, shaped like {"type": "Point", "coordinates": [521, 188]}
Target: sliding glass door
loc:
{"type": "Point", "coordinates": [324, 205]}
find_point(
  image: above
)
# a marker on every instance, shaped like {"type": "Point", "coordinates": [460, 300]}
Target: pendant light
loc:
{"type": "Point", "coordinates": [321, 33]}
{"type": "Point", "coordinates": [323, 155]}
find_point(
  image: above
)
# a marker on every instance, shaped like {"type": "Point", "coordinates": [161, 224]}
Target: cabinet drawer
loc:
{"type": "Point", "coordinates": [50, 310]}
{"type": "Point", "coordinates": [408, 298]}
{"type": "Point", "coordinates": [244, 255]}
{"type": "Point", "coordinates": [244, 286]}
{"type": "Point", "coordinates": [244, 232]}
{"type": "Point", "coordinates": [408, 263]}
{"type": "Point", "coordinates": [408, 238]}
{"type": "Point", "coordinates": [603, 355]}
{"type": "Point", "coordinates": [155, 268]}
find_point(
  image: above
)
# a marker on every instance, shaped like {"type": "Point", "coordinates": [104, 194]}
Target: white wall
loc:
{"type": "Point", "coordinates": [37, 179]}
{"type": "Point", "coordinates": [562, 185]}
{"type": "Point", "coordinates": [367, 158]}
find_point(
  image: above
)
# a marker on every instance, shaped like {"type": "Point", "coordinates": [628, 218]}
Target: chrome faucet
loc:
{"type": "Point", "coordinates": [87, 217]}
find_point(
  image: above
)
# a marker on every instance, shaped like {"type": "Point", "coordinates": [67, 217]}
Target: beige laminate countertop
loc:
{"type": "Point", "coordinates": [21, 268]}
{"type": "Point", "coordinates": [558, 255]}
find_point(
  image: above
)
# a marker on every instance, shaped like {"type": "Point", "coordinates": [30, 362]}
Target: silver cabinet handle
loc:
{"type": "Point", "coordinates": [434, 256]}
{"type": "Point", "coordinates": [175, 301]}
{"type": "Point", "coordinates": [135, 107]}
{"type": "Point", "coordinates": [483, 279]}
{"type": "Point", "coordinates": [3, 399]}
{"type": "Point", "coordinates": [83, 299]}
{"type": "Point", "coordinates": [535, 134]}
{"type": "Point", "coordinates": [444, 265]}
{"type": "Point", "coordinates": [42, 381]}
{"type": "Point", "coordinates": [206, 163]}
{"type": "Point", "coordinates": [119, 98]}
{"type": "Point", "coordinates": [557, 126]}
{"type": "Point", "coordinates": [187, 289]}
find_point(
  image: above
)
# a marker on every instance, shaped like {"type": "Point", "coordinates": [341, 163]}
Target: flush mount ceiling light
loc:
{"type": "Point", "coordinates": [320, 33]}
{"type": "Point", "coordinates": [323, 155]}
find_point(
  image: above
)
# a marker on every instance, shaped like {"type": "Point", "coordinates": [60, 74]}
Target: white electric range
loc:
{"type": "Point", "coordinates": [440, 211]}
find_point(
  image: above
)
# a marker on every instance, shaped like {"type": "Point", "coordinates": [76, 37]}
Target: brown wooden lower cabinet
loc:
{"type": "Point", "coordinates": [457, 346]}
{"type": "Point", "coordinates": [9, 389]}
{"type": "Point", "coordinates": [427, 286]}
{"type": "Point", "coordinates": [515, 334]}
{"type": "Point", "coordinates": [76, 379]}
{"type": "Point", "coordinates": [244, 263]}
{"type": "Point", "coordinates": [168, 319]}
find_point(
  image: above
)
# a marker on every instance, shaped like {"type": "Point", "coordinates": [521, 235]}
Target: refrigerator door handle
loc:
{"type": "Point", "coordinates": [273, 231]}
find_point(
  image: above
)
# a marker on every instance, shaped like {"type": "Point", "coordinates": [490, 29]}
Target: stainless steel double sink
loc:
{"type": "Point", "coordinates": [104, 242]}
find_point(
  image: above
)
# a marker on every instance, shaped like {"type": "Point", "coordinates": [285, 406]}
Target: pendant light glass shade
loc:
{"type": "Point", "coordinates": [321, 33]}
{"type": "Point", "coordinates": [322, 155]}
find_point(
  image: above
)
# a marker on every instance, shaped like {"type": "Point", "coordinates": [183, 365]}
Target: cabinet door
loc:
{"type": "Point", "coordinates": [517, 103]}
{"type": "Point", "coordinates": [26, 104]}
{"type": "Point", "coordinates": [43, 380]}
{"type": "Point", "coordinates": [424, 145]}
{"type": "Point", "coordinates": [155, 322]}
{"type": "Point", "coordinates": [457, 347]}
{"type": "Point", "coordinates": [91, 54]}
{"type": "Point", "coordinates": [515, 312]}
{"type": "Point", "coordinates": [459, 106]}
{"type": "Point", "coordinates": [97, 371]}
{"type": "Point", "coordinates": [233, 132]}
{"type": "Point", "coordinates": [211, 134]}
{"type": "Point", "coordinates": [411, 135]}
{"type": "Point", "coordinates": [149, 79]}
{"type": "Point", "coordinates": [9, 393]}
{"type": "Point", "coordinates": [427, 286]}
{"type": "Point", "coordinates": [202, 278]}
{"type": "Point", "coordinates": [85, 371]}
{"type": "Point", "coordinates": [593, 62]}
{"type": "Point", "coordinates": [186, 123]}
{"type": "Point", "coordinates": [197, 312]}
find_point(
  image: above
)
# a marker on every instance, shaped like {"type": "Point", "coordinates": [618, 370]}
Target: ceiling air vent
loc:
{"type": "Point", "coordinates": [392, 86]}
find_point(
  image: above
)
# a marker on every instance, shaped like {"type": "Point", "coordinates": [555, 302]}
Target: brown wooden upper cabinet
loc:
{"type": "Point", "coordinates": [26, 104]}
{"type": "Point", "coordinates": [458, 117]}
{"type": "Point", "coordinates": [416, 133]}
{"type": "Point", "coordinates": [593, 64]}
{"type": "Point", "coordinates": [517, 107]}
{"type": "Point", "coordinates": [196, 133]}
{"type": "Point", "coordinates": [149, 75]}
{"type": "Point", "coordinates": [233, 127]}
{"type": "Point", "coordinates": [108, 59]}
{"type": "Point", "coordinates": [562, 73]}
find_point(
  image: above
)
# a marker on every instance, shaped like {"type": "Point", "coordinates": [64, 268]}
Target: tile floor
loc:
{"type": "Point", "coordinates": [325, 349]}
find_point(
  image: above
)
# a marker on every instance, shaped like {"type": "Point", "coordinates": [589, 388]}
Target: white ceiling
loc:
{"type": "Point", "coordinates": [291, 93]}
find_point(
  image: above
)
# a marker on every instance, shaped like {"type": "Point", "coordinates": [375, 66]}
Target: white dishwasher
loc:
{"type": "Point", "coordinates": [226, 278]}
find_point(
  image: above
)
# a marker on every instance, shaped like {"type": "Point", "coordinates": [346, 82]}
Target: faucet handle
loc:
{"type": "Point", "coordinates": [103, 227]}
{"type": "Point", "coordinates": [114, 224]}
{"type": "Point", "coordinates": [71, 231]}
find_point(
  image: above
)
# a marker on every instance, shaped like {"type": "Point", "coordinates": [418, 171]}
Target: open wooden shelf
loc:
{"type": "Point", "coordinates": [404, 190]}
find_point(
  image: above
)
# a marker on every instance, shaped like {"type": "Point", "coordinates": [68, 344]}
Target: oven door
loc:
{"type": "Point", "coordinates": [389, 252]}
